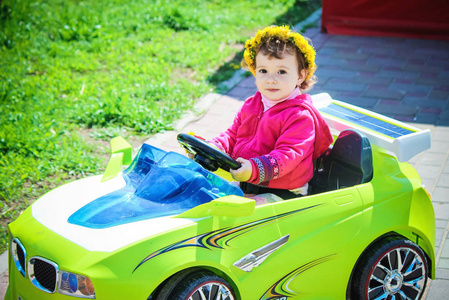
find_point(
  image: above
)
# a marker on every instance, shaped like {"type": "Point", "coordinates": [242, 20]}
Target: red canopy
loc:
{"type": "Point", "coordinates": [397, 18]}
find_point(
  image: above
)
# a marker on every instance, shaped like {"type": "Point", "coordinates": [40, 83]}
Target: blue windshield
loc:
{"type": "Point", "coordinates": [157, 184]}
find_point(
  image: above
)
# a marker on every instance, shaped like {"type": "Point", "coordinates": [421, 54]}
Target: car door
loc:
{"type": "Point", "coordinates": [314, 260]}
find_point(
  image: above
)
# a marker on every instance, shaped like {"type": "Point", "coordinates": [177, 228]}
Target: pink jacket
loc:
{"type": "Point", "coordinates": [281, 142]}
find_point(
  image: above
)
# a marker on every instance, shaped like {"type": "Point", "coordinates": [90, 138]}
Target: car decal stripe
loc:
{"type": "Point", "coordinates": [190, 242]}
{"type": "Point", "coordinates": [249, 227]}
{"type": "Point", "coordinates": [216, 239]}
{"type": "Point", "coordinates": [281, 290]}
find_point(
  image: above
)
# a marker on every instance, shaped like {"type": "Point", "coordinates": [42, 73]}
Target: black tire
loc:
{"type": "Point", "coordinates": [165, 291]}
{"type": "Point", "coordinates": [393, 269]}
{"type": "Point", "coordinates": [202, 285]}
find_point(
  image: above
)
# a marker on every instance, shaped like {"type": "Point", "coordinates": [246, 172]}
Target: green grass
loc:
{"type": "Point", "coordinates": [75, 73]}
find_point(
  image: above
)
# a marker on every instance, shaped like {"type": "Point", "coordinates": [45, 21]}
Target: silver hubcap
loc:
{"type": "Point", "coordinates": [212, 291]}
{"type": "Point", "coordinates": [399, 275]}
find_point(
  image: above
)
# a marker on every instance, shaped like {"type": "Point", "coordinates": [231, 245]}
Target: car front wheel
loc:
{"type": "Point", "coordinates": [393, 269]}
{"type": "Point", "coordinates": [201, 285]}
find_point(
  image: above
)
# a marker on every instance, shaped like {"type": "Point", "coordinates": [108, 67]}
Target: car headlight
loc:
{"type": "Point", "coordinates": [75, 285]}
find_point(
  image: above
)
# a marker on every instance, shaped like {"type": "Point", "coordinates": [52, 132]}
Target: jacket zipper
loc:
{"type": "Point", "coordinates": [237, 154]}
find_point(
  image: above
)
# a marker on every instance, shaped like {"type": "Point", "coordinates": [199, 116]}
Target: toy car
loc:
{"type": "Point", "coordinates": [166, 228]}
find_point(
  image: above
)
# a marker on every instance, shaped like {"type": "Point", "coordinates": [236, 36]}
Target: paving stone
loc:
{"type": "Point", "coordinates": [399, 74]}
{"type": "Point", "coordinates": [327, 60]}
{"type": "Point", "coordinates": [428, 171]}
{"type": "Point", "coordinates": [443, 181]}
{"type": "Point", "coordinates": [441, 134]}
{"type": "Point", "coordinates": [405, 81]}
{"type": "Point", "coordinates": [432, 81]}
{"type": "Point", "coordinates": [241, 93]}
{"type": "Point", "coordinates": [426, 118]}
{"type": "Point", "coordinates": [411, 87]}
{"type": "Point", "coordinates": [433, 159]}
{"type": "Point", "coordinates": [439, 63]}
{"type": "Point", "coordinates": [418, 66]}
{"type": "Point", "coordinates": [322, 39]}
{"type": "Point", "coordinates": [421, 95]}
{"type": "Point", "coordinates": [353, 94]}
{"type": "Point", "coordinates": [442, 274]}
{"type": "Point", "coordinates": [248, 82]}
{"type": "Point", "coordinates": [441, 87]}
{"type": "Point", "coordinates": [392, 43]}
{"type": "Point", "coordinates": [370, 49]}
{"type": "Point", "coordinates": [363, 40]}
{"type": "Point", "coordinates": [344, 85]}
{"type": "Point", "coordinates": [340, 38]}
{"type": "Point", "coordinates": [438, 290]}
{"type": "Point", "coordinates": [383, 93]}
{"type": "Point", "coordinates": [431, 51]}
{"type": "Point", "coordinates": [440, 146]}
{"type": "Point", "coordinates": [439, 94]}
{"type": "Point", "coordinates": [341, 44]}
{"type": "Point", "coordinates": [325, 52]}
{"type": "Point", "coordinates": [442, 122]}
{"type": "Point", "coordinates": [440, 223]}
{"type": "Point", "coordinates": [419, 101]}
{"type": "Point", "coordinates": [361, 67]}
{"type": "Point", "coordinates": [445, 252]}
{"type": "Point", "coordinates": [358, 101]}
{"type": "Point", "coordinates": [439, 233]}
{"type": "Point", "coordinates": [372, 80]}
{"type": "Point", "coordinates": [411, 57]}
{"type": "Point", "coordinates": [444, 75]}
{"type": "Point", "coordinates": [397, 108]}
{"type": "Point", "coordinates": [352, 55]}
{"type": "Point", "coordinates": [441, 209]}
{"type": "Point", "coordinates": [3, 284]}
{"type": "Point", "coordinates": [386, 61]}
{"type": "Point", "coordinates": [443, 263]}
{"type": "Point", "coordinates": [336, 73]}
{"type": "Point", "coordinates": [319, 88]}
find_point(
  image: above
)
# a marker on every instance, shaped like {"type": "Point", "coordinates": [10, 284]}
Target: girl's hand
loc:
{"type": "Point", "coordinates": [244, 172]}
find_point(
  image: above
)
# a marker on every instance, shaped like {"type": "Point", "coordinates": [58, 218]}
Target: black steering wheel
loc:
{"type": "Point", "coordinates": [206, 155]}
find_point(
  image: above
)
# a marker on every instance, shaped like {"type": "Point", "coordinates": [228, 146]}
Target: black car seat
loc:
{"type": "Point", "coordinates": [347, 163]}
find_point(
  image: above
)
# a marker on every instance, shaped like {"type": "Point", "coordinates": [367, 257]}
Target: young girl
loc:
{"type": "Point", "coordinates": [277, 133]}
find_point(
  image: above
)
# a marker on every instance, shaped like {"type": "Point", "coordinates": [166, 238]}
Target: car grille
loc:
{"type": "Point", "coordinates": [43, 274]}
{"type": "Point", "coordinates": [19, 255]}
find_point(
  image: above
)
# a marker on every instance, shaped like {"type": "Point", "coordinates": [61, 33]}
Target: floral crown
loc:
{"type": "Point", "coordinates": [284, 34]}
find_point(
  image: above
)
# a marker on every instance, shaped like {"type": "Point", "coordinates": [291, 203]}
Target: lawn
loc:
{"type": "Point", "coordinates": [75, 73]}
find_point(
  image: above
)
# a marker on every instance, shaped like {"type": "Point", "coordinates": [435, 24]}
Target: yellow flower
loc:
{"type": "Point", "coordinates": [285, 34]}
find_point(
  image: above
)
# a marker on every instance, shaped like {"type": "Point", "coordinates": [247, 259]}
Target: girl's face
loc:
{"type": "Point", "coordinates": [277, 78]}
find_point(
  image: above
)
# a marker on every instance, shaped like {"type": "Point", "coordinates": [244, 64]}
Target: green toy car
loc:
{"type": "Point", "coordinates": [166, 228]}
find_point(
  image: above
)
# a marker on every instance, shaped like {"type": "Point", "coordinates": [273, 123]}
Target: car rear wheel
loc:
{"type": "Point", "coordinates": [394, 269]}
{"type": "Point", "coordinates": [202, 285]}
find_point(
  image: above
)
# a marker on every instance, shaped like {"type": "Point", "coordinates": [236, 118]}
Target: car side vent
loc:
{"type": "Point", "coordinates": [19, 255]}
{"type": "Point", "coordinates": [43, 274]}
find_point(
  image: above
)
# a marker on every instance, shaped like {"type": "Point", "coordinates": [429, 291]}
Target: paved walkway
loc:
{"type": "Point", "coordinates": [403, 78]}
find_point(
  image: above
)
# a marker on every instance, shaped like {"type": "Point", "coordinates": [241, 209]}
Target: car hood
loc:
{"type": "Point", "coordinates": [54, 209]}
{"type": "Point", "coordinates": [104, 216]}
